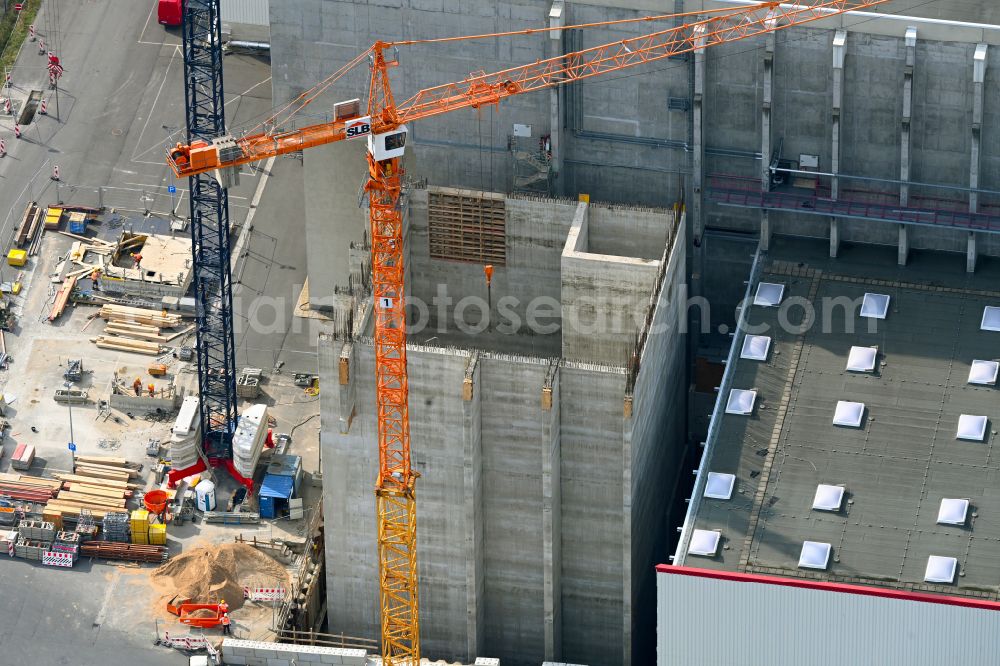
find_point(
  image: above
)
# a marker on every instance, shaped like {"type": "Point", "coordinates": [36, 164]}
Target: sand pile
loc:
{"type": "Point", "coordinates": [219, 572]}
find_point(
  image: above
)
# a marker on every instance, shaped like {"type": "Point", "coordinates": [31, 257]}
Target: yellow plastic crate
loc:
{"type": "Point", "coordinates": [140, 538]}
{"type": "Point", "coordinates": [158, 535]}
{"type": "Point", "coordinates": [17, 257]}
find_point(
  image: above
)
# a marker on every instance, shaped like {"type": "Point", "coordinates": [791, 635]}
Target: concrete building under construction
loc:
{"type": "Point", "coordinates": [552, 450]}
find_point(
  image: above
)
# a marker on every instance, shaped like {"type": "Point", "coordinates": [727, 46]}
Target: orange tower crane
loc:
{"type": "Point", "coordinates": [384, 127]}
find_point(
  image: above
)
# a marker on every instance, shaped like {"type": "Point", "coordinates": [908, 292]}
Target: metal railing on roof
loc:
{"type": "Point", "coordinates": [694, 504]}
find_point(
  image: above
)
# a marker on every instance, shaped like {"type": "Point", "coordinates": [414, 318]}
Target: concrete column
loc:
{"type": "Point", "coordinates": [765, 133]}
{"type": "Point", "coordinates": [834, 237]}
{"type": "Point", "coordinates": [839, 51]}
{"type": "Point", "coordinates": [557, 19]}
{"type": "Point", "coordinates": [552, 515]}
{"type": "Point", "coordinates": [904, 245]}
{"type": "Point", "coordinates": [475, 579]}
{"type": "Point", "coordinates": [347, 387]}
{"type": "Point", "coordinates": [978, 78]}
{"type": "Point", "coordinates": [698, 147]}
{"type": "Point", "coordinates": [970, 253]}
{"type": "Point", "coordinates": [907, 112]}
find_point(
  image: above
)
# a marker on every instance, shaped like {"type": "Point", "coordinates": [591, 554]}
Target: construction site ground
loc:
{"type": "Point", "coordinates": [118, 108]}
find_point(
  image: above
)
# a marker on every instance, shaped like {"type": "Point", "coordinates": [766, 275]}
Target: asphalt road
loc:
{"type": "Point", "coordinates": [120, 103]}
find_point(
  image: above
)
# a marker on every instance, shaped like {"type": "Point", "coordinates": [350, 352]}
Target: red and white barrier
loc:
{"type": "Point", "coordinates": [264, 593]}
{"type": "Point", "coordinates": [43, 108]}
{"type": "Point", "coordinates": [9, 80]}
{"type": "Point", "coordinates": [7, 107]}
{"type": "Point", "coordinates": [186, 641]}
{"type": "Point", "coordinates": [55, 172]}
{"type": "Point", "coordinates": [31, 33]}
{"type": "Point", "coordinates": [53, 559]}
{"type": "Point", "coordinates": [17, 131]}
{"type": "Point", "coordinates": [41, 47]}
{"type": "Point", "coordinates": [3, 148]}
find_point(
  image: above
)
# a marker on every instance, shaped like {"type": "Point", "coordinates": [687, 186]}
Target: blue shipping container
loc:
{"type": "Point", "coordinates": [77, 227]}
{"type": "Point", "coordinates": [275, 491]}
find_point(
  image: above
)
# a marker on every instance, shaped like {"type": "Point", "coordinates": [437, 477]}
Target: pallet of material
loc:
{"type": "Point", "coordinates": [102, 502]}
{"type": "Point", "coordinates": [103, 460]}
{"type": "Point", "coordinates": [134, 328]}
{"type": "Point", "coordinates": [54, 484]}
{"type": "Point", "coordinates": [112, 329]}
{"type": "Point", "coordinates": [62, 298]}
{"type": "Point", "coordinates": [111, 483]}
{"type": "Point", "coordinates": [92, 469]}
{"type": "Point", "coordinates": [109, 550]}
{"type": "Point", "coordinates": [98, 491]}
{"type": "Point", "coordinates": [127, 344]}
{"type": "Point", "coordinates": [144, 316]}
{"type": "Point", "coordinates": [23, 456]}
{"type": "Point", "coordinates": [73, 511]}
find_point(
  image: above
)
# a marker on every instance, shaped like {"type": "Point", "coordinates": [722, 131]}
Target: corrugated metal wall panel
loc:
{"type": "Point", "coordinates": [250, 12]}
{"type": "Point", "coordinates": [712, 622]}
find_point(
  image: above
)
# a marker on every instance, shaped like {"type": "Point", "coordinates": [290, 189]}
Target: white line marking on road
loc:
{"type": "Point", "coordinates": [173, 55]}
{"type": "Point", "coordinates": [159, 146]}
{"type": "Point", "coordinates": [102, 614]}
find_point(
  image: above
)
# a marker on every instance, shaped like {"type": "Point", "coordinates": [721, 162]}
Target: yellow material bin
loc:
{"type": "Point", "coordinates": [140, 521]}
{"type": "Point", "coordinates": [158, 535]}
{"type": "Point", "coordinates": [17, 257]}
{"type": "Point", "coordinates": [52, 218]}
{"type": "Point", "coordinates": [140, 538]}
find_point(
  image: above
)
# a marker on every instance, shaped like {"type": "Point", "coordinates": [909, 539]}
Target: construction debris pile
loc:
{"type": "Point", "coordinates": [138, 330]}
{"type": "Point", "coordinates": [218, 573]}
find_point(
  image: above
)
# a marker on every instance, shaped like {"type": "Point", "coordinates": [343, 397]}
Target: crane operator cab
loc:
{"type": "Point", "coordinates": [388, 145]}
{"type": "Point", "coordinates": [383, 146]}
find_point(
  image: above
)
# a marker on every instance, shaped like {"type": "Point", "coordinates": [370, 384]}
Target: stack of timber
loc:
{"type": "Point", "coordinates": [28, 488]}
{"type": "Point", "coordinates": [109, 550]}
{"type": "Point", "coordinates": [130, 315]}
{"type": "Point", "coordinates": [100, 484]}
{"type": "Point", "coordinates": [137, 329]}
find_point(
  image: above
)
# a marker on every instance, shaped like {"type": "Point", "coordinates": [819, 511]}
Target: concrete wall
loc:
{"type": "Point", "coordinates": [536, 229]}
{"type": "Point", "coordinates": [604, 298]}
{"type": "Point", "coordinates": [654, 447]}
{"type": "Point", "coordinates": [258, 653]}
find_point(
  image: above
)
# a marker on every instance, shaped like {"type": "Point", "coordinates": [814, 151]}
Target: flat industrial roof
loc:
{"type": "Point", "coordinates": [903, 460]}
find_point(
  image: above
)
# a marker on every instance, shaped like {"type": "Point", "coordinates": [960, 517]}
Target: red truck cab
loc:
{"type": "Point", "coordinates": [170, 12]}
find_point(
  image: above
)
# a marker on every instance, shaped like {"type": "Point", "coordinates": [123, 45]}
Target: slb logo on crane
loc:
{"type": "Point", "coordinates": [358, 127]}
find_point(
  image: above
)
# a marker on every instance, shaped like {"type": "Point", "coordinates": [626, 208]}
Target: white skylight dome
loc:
{"type": "Point", "coordinates": [953, 511]}
{"type": "Point", "coordinates": [971, 427]}
{"type": "Point", "coordinates": [741, 401]}
{"type": "Point", "coordinates": [719, 485]}
{"type": "Point", "coordinates": [984, 372]}
{"type": "Point", "coordinates": [940, 569]}
{"type": "Point", "coordinates": [828, 498]}
{"type": "Point", "coordinates": [862, 359]}
{"type": "Point", "coordinates": [704, 542]}
{"type": "Point", "coordinates": [991, 318]}
{"type": "Point", "coordinates": [755, 347]}
{"type": "Point", "coordinates": [814, 555]}
{"type": "Point", "coordinates": [849, 414]}
{"type": "Point", "coordinates": [875, 306]}
{"type": "Point", "coordinates": [769, 294]}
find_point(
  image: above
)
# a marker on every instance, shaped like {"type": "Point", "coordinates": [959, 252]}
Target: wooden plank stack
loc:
{"type": "Point", "coordinates": [100, 484]}
{"type": "Point", "coordinates": [136, 330]}
{"type": "Point", "coordinates": [27, 488]}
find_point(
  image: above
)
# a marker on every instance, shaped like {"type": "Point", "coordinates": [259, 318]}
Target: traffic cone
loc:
{"type": "Point", "coordinates": [43, 108]}
{"type": "Point", "coordinates": [55, 172]}
{"type": "Point", "coordinates": [41, 47]}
